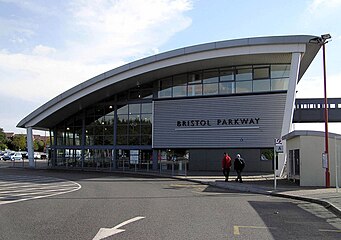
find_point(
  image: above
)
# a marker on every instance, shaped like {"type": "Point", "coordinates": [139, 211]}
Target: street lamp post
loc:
{"type": "Point", "coordinates": [322, 41]}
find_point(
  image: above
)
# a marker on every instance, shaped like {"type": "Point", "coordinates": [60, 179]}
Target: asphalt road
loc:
{"type": "Point", "coordinates": [135, 207]}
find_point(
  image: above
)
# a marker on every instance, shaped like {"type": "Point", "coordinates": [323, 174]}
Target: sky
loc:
{"type": "Point", "coordinates": [48, 47]}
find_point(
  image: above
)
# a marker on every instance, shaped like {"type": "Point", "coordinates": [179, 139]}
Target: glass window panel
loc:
{"type": "Point", "coordinates": [134, 118]}
{"type": "Point", "coordinates": [146, 118]}
{"type": "Point", "coordinates": [261, 85]}
{"type": "Point", "coordinates": [89, 129]}
{"type": "Point", "coordinates": [243, 73]}
{"type": "Point", "coordinates": [195, 90]}
{"type": "Point", "coordinates": [146, 108]}
{"type": "Point", "coordinates": [195, 78]}
{"type": "Point", "coordinates": [280, 71]}
{"type": "Point", "coordinates": [279, 84]}
{"type": "Point", "coordinates": [109, 119]}
{"type": "Point", "coordinates": [122, 139]}
{"type": "Point", "coordinates": [146, 93]}
{"type": "Point", "coordinates": [226, 74]}
{"type": "Point", "coordinates": [78, 121]}
{"type": "Point", "coordinates": [78, 136]}
{"type": "Point", "coordinates": [98, 140]}
{"type": "Point", "coordinates": [261, 73]}
{"type": "Point", "coordinates": [89, 140]}
{"type": "Point", "coordinates": [180, 80]}
{"type": "Point", "coordinates": [122, 109]}
{"type": "Point", "coordinates": [244, 87]}
{"type": "Point", "coordinates": [210, 76]}
{"type": "Point", "coordinates": [146, 129]}
{"type": "Point", "coordinates": [134, 108]}
{"type": "Point", "coordinates": [226, 87]}
{"type": "Point", "coordinates": [134, 128]}
{"type": "Point", "coordinates": [108, 140]}
{"type": "Point", "coordinates": [165, 88]}
{"type": "Point", "coordinates": [179, 91]}
{"type": "Point", "coordinates": [108, 130]}
{"type": "Point", "coordinates": [122, 129]}
{"type": "Point", "coordinates": [122, 119]}
{"type": "Point", "coordinates": [210, 89]}
{"type": "Point", "coordinates": [134, 140]}
{"type": "Point", "coordinates": [146, 140]}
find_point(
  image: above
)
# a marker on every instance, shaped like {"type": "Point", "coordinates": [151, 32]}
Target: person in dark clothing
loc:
{"type": "Point", "coordinates": [239, 165]}
{"type": "Point", "coordinates": [226, 166]}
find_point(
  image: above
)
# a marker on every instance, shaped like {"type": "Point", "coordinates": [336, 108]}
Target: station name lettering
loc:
{"type": "Point", "coordinates": [218, 122]}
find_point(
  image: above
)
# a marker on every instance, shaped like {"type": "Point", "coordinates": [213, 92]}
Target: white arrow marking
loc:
{"type": "Point", "coordinates": [107, 232]}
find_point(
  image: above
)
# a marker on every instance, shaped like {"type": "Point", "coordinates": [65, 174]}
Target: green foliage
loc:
{"type": "Point", "coordinates": [19, 142]}
{"type": "Point", "coordinates": [39, 145]}
{"type": "Point", "coordinates": [3, 140]}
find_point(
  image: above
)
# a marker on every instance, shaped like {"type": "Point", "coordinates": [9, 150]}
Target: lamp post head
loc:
{"type": "Point", "coordinates": [326, 36]}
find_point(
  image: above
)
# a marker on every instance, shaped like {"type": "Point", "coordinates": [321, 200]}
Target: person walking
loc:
{"type": "Point", "coordinates": [239, 165]}
{"type": "Point", "coordinates": [226, 166]}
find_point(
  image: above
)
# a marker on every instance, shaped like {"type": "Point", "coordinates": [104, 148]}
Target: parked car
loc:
{"type": "Point", "coordinates": [16, 156]}
{"type": "Point", "coordinates": [6, 157]}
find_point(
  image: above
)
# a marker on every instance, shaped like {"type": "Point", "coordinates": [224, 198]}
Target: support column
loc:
{"type": "Point", "coordinates": [289, 109]}
{"type": "Point", "coordinates": [155, 158]}
{"type": "Point", "coordinates": [30, 149]}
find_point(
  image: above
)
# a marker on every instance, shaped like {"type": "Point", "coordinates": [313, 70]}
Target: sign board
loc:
{"type": "Point", "coordinates": [325, 160]}
{"type": "Point", "coordinates": [278, 141]}
{"type": "Point", "coordinates": [134, 157]}
{"type": "Point", "coordinates": [279, 148]}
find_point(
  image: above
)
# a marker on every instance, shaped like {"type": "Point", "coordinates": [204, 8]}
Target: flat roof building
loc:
{"type": "Point", "coordinates": [190, 104]}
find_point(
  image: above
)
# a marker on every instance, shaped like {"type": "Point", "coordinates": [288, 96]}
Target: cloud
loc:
{"type": "Point", "coordinates": [106, 34]}
{"type": "Point", "coordinates": [90, 37]}
{"type": "Point", "coordinates": [127, 28]}
{"type": "Point", "coordinates": [43, 50]}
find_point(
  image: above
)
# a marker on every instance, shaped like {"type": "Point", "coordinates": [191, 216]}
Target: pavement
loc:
{"type": "Point", "coordinates": [263, 183]}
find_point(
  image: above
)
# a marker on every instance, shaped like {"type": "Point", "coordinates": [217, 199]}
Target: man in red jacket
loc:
{"type": "Point", "coordinates": [226, 166]}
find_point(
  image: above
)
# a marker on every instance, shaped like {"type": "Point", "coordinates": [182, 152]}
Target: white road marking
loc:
{"type": "Point", "coordinates": [107, 232]}
{"type": "Point", "coordinates": [18, 188]}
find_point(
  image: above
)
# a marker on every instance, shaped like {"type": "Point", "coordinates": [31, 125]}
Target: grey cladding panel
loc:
{"type": "Point", "coordinates": [250, 121]}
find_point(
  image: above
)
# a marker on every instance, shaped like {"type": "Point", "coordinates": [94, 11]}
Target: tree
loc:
{"type": "Point", "coordinates": [19, 142]}
{"type": "Point", "coordinates": [3, 140]}
{"type": "Point", "coordinates": [39, 145]}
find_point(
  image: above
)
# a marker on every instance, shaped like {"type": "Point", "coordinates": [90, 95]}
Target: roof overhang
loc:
{"type": "Point", "coordinates": [211, 55]}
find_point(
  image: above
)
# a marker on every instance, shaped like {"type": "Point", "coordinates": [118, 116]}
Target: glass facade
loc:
{"type": "Point", "coordinates": [229, 80]}
{"type": "Point", "coordinates": [117, 131]}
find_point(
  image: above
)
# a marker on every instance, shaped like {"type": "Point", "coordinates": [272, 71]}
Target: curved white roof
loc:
{"type": "Point", "coordinates": [258, 50]}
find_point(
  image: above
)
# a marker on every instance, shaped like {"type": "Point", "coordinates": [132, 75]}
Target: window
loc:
{"type": "Point", "coordinates": [210, 89]}
{"type": "Point", "coordinates": [243, 73]}
{"type": "Point", "coordinates": [180, 86]}
{"type": "Point", "coordinates": [195, 78]}
{"type": "Point", "coordinates": [280, 71]}
{"type": "Point", "coordinates": [244, 87]}
{"type": "Point", "coordinates": [195, 90]}
{"type": "Point", "coordinates": [279, 84]}
{"type": "Point", "coordinates": [227, 87]}
{"type": "Point", "coordinates": [211, 76]}
{"type": "Point", "coordinates": [226, 74]}
{"type": "Point", "coordinates": [261, 85]}
{"type": "Point", "coordinates": [261, 73]}
{"type": "Point", "coordinates": [165, 88]}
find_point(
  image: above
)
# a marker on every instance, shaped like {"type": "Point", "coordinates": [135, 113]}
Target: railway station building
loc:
{"type": "Point", "coordinates": [189, 105]}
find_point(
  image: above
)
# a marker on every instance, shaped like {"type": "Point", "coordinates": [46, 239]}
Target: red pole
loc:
{"type": "Point", "coordinates": [326, 114]}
